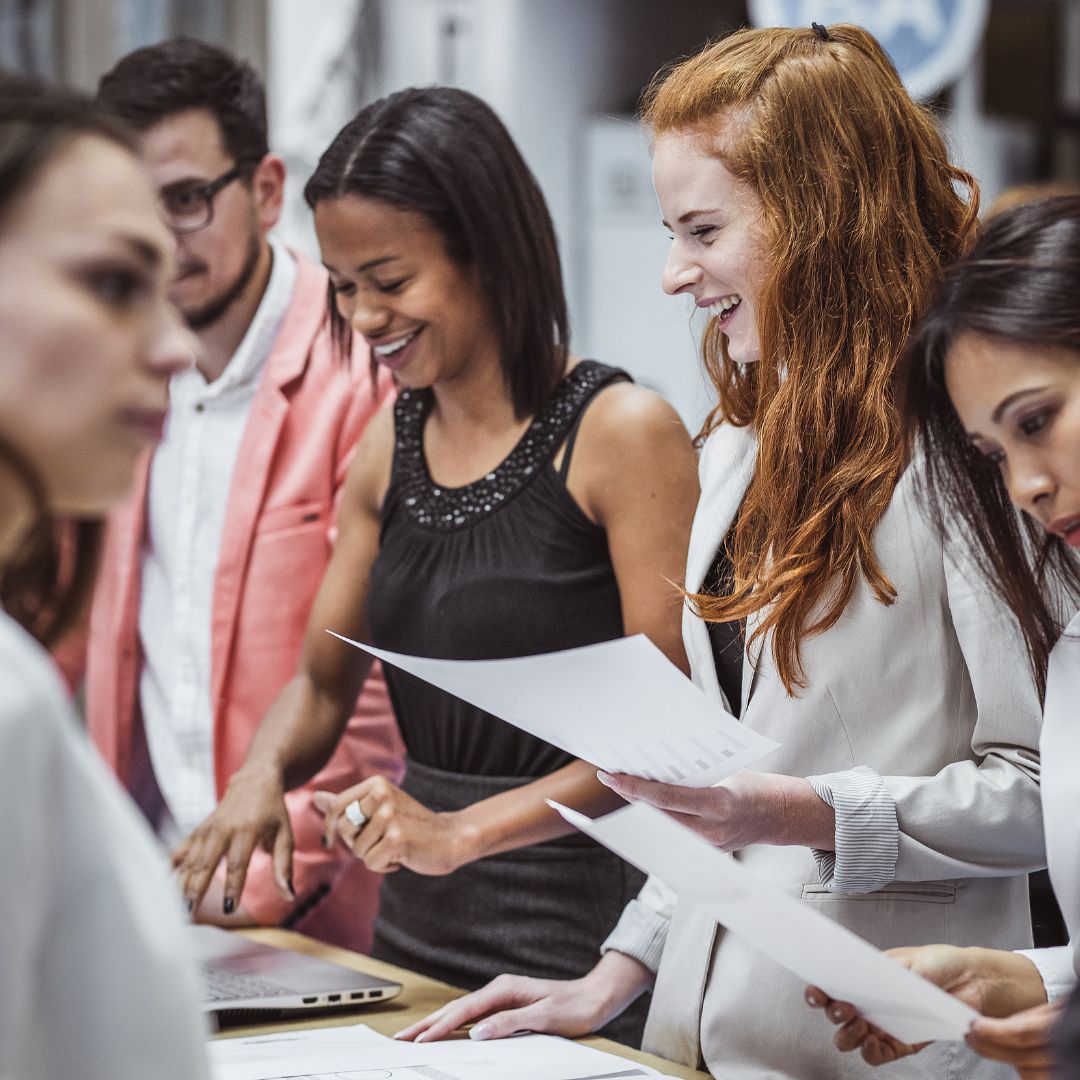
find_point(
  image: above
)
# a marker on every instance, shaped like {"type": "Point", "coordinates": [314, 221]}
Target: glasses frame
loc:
{"type": "Point", "coordinates": [207, 192]}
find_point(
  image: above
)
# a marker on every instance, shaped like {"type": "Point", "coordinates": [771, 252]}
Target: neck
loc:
{"type": "Point", "coordinates": [219, 342]}
{"type": "Point", "coordinates": [476, 400]}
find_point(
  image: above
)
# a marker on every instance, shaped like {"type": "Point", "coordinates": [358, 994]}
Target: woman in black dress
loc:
{"type": "Point", "coordinates": [515, 500]}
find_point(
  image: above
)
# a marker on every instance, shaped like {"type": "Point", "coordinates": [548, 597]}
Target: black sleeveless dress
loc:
{"type": "Point", "coordinates": [506, 566]}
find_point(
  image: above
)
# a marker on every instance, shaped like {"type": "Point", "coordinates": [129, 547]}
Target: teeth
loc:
{"type": "Point", "coordinates": [392, 347]}
{"type": "Point", "coordinates": [725, 304]}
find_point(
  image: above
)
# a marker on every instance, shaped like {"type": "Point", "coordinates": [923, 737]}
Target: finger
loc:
{"type": "Point", "coordinates": [281, 859]}
{"type": "Point", "coordinates": [841, 1012]}
{"type": "Point", "coordinates": [513, 1022]}
{"type": "Point", "coordinates": [361, 841]}
{"type": "Point", "coordinates": [195, 873]}
{"type": "Point", "coordinates": [851, 1035]}
{"type": "Point", "coordinates": [389, 850]}
{"type": "Point", "coordinates": [663, 796]}
{"type": "Point", "coordinates": [499, 994]}
{"type": "Point", "coordinates": [816, 998]}
{"type": "Point", "coordinates": [236, 864]}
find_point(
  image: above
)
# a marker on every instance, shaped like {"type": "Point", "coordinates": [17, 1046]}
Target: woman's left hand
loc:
{"type": "Point", "coordinates": [396, 831]}
{"type": "Point", "coordinates": [1022, 1040]}
{"type": "Point", "coordinates": [745, 808]}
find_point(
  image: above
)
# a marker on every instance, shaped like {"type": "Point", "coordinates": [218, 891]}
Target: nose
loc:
{"type": "Point", "coordinates": [172, 346]}
{"type": "Point", "coordinates": [680, 272]}
{"type": "Point", "coordinates": [1030, 482]}
{"type": "Point", "coordinates": [368, 316]}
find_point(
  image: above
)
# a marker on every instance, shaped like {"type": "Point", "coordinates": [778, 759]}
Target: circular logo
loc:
{"type": "Point", "coordinates": [931, 42]}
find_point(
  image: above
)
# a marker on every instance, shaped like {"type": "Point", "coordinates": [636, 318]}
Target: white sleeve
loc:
{"type": "Point", "coordinates": [642, 930]}
{"type": "Point", "coordinates": [1056, 968]}
{"type": "Point", "coordinates": [980, 816]}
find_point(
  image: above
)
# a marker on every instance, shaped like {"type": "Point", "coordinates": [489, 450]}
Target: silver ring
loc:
{"type": "Point", "coordinates": [355, 814]}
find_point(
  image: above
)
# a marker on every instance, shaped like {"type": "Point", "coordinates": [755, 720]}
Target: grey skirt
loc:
{"type": "Point", "coordinates": [542, 910]}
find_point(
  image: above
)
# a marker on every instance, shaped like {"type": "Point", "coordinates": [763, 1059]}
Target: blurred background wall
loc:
{"type": "Point", "coordinates": [566, 76]}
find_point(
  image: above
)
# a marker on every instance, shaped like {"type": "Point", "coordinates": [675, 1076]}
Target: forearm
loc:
{"type": "Point", "coordinates": [299, 733]}
{"type": "Point", "coordinates": [517, 818]}
{"type": "Point", "coordinates": [615, 981]}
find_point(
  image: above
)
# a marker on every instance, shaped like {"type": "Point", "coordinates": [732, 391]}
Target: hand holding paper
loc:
{"type": "Point", "coordinates": [819, 951]}
{"type": "Point", "coordinates": [620, 705]}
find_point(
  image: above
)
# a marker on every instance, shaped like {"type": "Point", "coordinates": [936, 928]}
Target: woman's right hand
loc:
{"type": "Point", "coordinates": [515, 1003]}
{"type": "Point", "coordinates": [994, 982]}
{"type": "Point", "coordinates": [251, 813]}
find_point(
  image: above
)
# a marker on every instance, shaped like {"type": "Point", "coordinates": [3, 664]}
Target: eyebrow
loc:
{"type": "Point", "coordinates": [690, 215]}
{"type": "Point", "coordinates": [369, 265]}
{"type": "Point", "coordinates": [1012, 399]}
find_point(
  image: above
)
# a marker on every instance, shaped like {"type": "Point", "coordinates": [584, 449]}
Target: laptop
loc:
{"type": "Point", "coordinates": [248, 977]}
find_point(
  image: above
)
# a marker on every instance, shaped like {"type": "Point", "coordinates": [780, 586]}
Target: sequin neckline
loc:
{"type": "Point", "coordinates": [444, 509]}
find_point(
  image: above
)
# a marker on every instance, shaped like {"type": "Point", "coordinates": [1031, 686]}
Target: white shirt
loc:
{"type": "Point", "coordinates": [96, 978]}
{"type": "Point", "coordinates": [1060, 750]}
{"type": "Point", "coordinates": [190, 478]}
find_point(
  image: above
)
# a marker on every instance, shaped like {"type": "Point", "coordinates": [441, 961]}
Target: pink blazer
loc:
{"type": "Point", "coordinates": [305, 420]}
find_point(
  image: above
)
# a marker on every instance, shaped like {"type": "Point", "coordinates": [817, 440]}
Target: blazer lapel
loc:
{"type": "Point", "coordinates": [251, 476]}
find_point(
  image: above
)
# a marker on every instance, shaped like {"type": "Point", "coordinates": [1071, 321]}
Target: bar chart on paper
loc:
{"type": "Point", "coordinates": [620, 705]}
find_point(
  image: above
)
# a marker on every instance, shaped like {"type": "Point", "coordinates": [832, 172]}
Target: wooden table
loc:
{"type": "Point", "coordinates": [419, 996]}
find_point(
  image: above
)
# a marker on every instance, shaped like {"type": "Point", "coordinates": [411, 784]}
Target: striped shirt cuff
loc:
{"type": "Point", "coordinates": [641, 933]}
{"type": "Point", "coordinates": [867, 831]}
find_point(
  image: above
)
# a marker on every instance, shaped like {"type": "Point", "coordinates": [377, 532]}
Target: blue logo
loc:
{"type": "Point", "coordinates": [931, 42]}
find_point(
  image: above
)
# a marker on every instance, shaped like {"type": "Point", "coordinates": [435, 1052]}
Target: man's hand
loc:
{"type": "Point", "coordinates": [251, 813]}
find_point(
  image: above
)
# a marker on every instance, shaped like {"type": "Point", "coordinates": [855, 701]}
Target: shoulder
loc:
{"type": "Point", "coordinates": [372, 463]}
{"type": "Point", "coordinates": [626, 417]}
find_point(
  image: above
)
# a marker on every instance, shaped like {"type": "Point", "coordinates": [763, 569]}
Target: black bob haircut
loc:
{"type": "Point", "coordinates": [442, 153]}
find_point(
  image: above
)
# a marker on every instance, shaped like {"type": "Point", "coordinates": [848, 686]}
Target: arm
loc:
{"type": "Point", "coordinates": [634, 473]}
{"type": "Point", "coordinates": [303, 725]}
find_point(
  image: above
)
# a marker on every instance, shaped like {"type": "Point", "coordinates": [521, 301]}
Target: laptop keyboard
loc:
{"type": "Point", "coordinates": [228, 986]}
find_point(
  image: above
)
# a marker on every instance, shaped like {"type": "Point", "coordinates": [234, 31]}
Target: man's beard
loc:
{"type": "Point", "coordinates": [215, 308]}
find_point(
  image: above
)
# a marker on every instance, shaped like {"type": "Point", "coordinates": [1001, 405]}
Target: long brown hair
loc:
{"type": "Point", "coordinates": [1019, 285]}
{"type": "Point", "coordinates": [860, 214]}
{"type": "Point", "coordinates": [44, 584]}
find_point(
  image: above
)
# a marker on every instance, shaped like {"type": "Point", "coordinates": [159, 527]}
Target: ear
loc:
{"type": "Point", "coordinates": [268, 185]}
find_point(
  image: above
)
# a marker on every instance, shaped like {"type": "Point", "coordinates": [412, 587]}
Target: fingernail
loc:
{"type": "Point", "coordinates": [812, 998]}
{"type": "Point", "coordinates": [292, 891]}
{"type": "Point", "coordinates": [398, 1034]}
{"type": "Point", "coordinates": [481, 1031]}
{"type": "Point", "coordinates": [605, 778]}
{"type": "Point", "coordinates": [836, 1013]}
{"type": "Point", "coordinates": [422, 1037]}
{"type": "Point", "coordinates": [228, 906]}
{"type": "Point", "coordinates": [326, 841]}
{"type": "Point", "coordinates": [190, 904]}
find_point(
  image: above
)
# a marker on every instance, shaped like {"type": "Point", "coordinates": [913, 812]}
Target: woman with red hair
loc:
{"type": "Point", "coordinates": [812, 208]}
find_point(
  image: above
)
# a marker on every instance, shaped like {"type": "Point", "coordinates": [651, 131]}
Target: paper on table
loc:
{"type": "Point", "coordinates": [620, 705]}
{"type": "Point", "coordinates": [815, 948]}
{"type": "Point", "coordinates": [344, 1052]}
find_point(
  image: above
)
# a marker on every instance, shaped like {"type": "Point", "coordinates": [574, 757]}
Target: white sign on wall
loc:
{"type": "Point", "coordinates": [931, 42]}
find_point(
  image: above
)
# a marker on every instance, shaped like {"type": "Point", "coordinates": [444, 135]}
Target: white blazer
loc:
{"type": "Point", "coordinates": [1060, 746]}
{"type": "Point", "coordinates": [921, 721]}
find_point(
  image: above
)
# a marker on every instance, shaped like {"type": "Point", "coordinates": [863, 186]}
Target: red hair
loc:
{"type": "Point", "coordinates": [861, 214]}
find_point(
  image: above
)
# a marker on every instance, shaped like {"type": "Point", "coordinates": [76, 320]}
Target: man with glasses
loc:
{"type": "Point", "coordinates": [209, 574]}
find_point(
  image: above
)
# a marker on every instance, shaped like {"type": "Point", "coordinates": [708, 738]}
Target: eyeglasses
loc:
{"type": "Point", "coordinates": [190, 208]}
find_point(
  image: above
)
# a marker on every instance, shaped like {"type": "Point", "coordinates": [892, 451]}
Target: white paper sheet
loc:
{"type": "Point", "coordinates": [620, 705]}
{"type": "Point", "coordinates": [818, 950]}
{"type": "Point", "coordinates": [357, 1053]}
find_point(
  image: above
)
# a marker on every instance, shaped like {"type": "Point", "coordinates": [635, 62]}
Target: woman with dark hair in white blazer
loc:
{"type": "Point", "coordinates": [95, 976]}
{"type": "Point", "coordinates": [995, 400]}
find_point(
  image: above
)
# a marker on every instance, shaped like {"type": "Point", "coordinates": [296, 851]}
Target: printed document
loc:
{"type": "Point", "coordinates": [818, 950]}
{"type": "Point", "coordinates": [620, 705]}
{"type": "Point", "coordinates": [358, 1053]}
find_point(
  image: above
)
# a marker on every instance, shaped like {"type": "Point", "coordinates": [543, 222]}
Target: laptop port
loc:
{"type": "Point", "coordinates": [333, 997]}
{"type": "Point", "coordinates": [310, 1000]}
{"type": "Point", "coordinates": [374, 993]}
{"type": "Point", "coordinates": [356, 995]}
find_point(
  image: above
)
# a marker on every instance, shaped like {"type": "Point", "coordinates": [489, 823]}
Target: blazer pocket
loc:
{"type": "Point", "coordinates": [923, 892]}
{"type": "Point", "coordinates": [280, 518]}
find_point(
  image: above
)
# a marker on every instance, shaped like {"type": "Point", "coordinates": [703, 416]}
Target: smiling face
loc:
{"type": "Point", "coordinates": [717, 251]}
{"type": "Point", "coordinates": [424, 316]}
{"type": "Point", "coordinates": [1020, 406]}
{"type": "Point", "coordinates": [88, 339]}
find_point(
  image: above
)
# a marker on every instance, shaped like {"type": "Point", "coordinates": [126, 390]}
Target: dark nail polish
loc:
{"type": "Point", "coordinates": [190, 905]}
{"type": "Point", "coordinates": [228, 906]}
{"type": "Point", "coordinates": [292, 891]}
{"type": "Point", "coordinates": [326, 841]}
